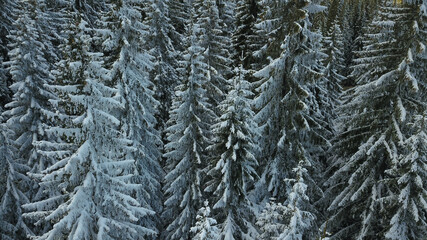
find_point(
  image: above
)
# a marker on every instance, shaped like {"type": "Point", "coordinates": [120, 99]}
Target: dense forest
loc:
{"type": "Point", "coordinates": [213, 119]}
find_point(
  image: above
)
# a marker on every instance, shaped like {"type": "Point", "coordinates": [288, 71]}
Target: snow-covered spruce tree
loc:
{"type": "Point", "coordinates": [330, 88]}
{"type": "Point", "coordinates": [164, 74]}
{"type": "Point", "coordinates": [30, 72]}
{"type": "Point", "coordinates": [299, 219]}
{"type": "Point", "coordinates": [178, 12]}
{"type": "Point", "coordinates": [6, 18]}
{"type": "Point", "coordinates": [294, 220]}
{"type": "Point", "coordinates": [8, 8]}
{"type": "Point", "coordinates": [232, 168]}
{"type": "Point", "coordinates": [409, 209]}
{"type": "Point", "coordinates": [271, 220]}
{"type": "Point", "coordinates": [188, 136]}
{"type": "Point", "coordinates": [94, 197]}
{"type": "Point", "coordinates": [15, 184]}
{"type": "Point", "coordinates": [288, 108]}
{"type": "Point", "coordinates": [332, 47]}
{"type": "Point", "coordinates": [226, 13]}
{"type": "Point", "coordinates": [215, 44]}
{"type": "Point", "coordinates": [244, 37]}
{"type": "Point", "coordinates": [30, 108]}
{"type": "Point", "coordinates": [205, 227]}
{"type": "Point", "coordinates": [130, 66]}
{"type": "Point", "coordinates": [375, 131]}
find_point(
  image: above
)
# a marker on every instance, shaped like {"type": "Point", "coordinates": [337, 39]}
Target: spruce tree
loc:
{"type": "Point", "coordinates": [205, 227]}
{"type": "Point", "coordinates": [271, 220]}
{"type": "Point", "coordinates": [188, 137]}
{"type": "Point", "coordinates": [6, 18]}
{"type": "Point", "coordinates": [130, 65]}
{"type": "Point", "coordinates": [29, 110]}
{"type": "Point", "coordinates": [244, 36]}
{"type": "Point", "coordinates": [216, 45]}
{"type": "Point", "coordinates": [293, 220]}
{"type": "Point", "coordinates": [299, 217]}
{"type": "Point", "coordinates": [91, 179]}
{"type": "Point", "coordinates": [375, 135]}
{"type": "Point", "coordinates": [409, 171]}
{"type": "Point", "coordinates": [178, 12]}
{"type": "Point", "coordinates": [163, 74]}
{"type": "Point", "coordinates": [15, 184]}
{"type": "Point", "coordinates": [288, 107]}
{"type": "Point", "coordinates": [232, 169]}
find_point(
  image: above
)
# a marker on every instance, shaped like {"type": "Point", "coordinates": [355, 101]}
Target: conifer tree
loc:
{"type": "Point", "coordinates": [271, 220]}
{"type": "Point", "coordinates": [333, 46]}
{"type": "Point", "coordinates": [294, 220]}
{"type": "Point", "coordinates": [15, 183]}
{"type": "Point", "coordinates": [188, 137]}
{"type": "Point", "coordinates": [205, 228]}
{"type": "Point", "coordinates": [300, 221]}
{"type": "Point", "coordinates": [6, 18]}
{"type": "Point", "coordinates": [288, 108]}
{"type": "Point", "coordinates": [178, 12]}
{"type": "Point", "coordinates": [28, 111]}
{"type": "Point", "coordinates": [244, 37]}
{"type": "Point", "coordinates": [30, 106]}
{"type": "Point", "coordinates": [226, 13]}
{"type": "Point", "coordinates": [94, 197]}
{"type": "Point", "coordinates": [232, 169]}
{"type": "Point", "coordinates": [161, 46]}
{"type": "Point", "coordinates": [374, 129]}
{"type": "Point", "coordinates": [130, 72]}
{"type": "Point", "coordinates": [409, 209]}
{"type": "Point", "coordinates": [330, 90]}
{"type": "Point", "coordinates": [216, 44]}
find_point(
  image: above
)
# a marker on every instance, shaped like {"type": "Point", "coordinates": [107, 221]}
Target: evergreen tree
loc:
{"type": "Point", "coordinates": [232, 169]}
{"type": "Point", "coordinates": [205, 228]}
{"type": "Point", "coordinates": [179, 10]}
{"type": "Point", "coordinates": [244, 37]}
{"type": "Point", "coordinates": [288, 106]}
{"type": "Point", "coordinates": [374, 127]}
{"type": "Point", "coordinates": [333, 46]}
{"type": "Point", "coordinates": [294, 220]}
{"type": "Point", "coordinates": [410, 213]}
{"type": "Point", "coordinates": [215, 44]}
{"type": "Point", "coordinates": [14, 182]}
{"type": "Point", "coordinates": [30, 109]}
{"type": "Point", "coordinates": [6, 18]}
{"type": "Point", "coordinates": [130, 71]}
{"type": "Point", "coordinates": [188, 136]}
{"type": "Point", "coordinates": [330, 90]}
{"type": "Point", "coordinates": [271, 220]}
{"type": "Point", "coordinates": [226, 13]}
{"type": "Point", "coordinates": [300, 221]}
{"type": "Point", "coordinates": [409, 219]}
{"type": "Point", "coordinates": [163, 75]}
{"type": "Point", "coordinates": [91, 179]}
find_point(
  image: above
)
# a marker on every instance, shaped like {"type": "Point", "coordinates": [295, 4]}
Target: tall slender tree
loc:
{"type": "Point", "coordinates": [232, 169]}
{"type": "Point", "coordinates": [6, 19]}
{"type": "Point", "coordinates": [216, 45]}
{"type": "Point", "coordinates": [288, 107]}
{"type": "Point", "coordinates": [188, 136]}
{"type": "Point", "coordinates": [29, 109]}
{"type": "Point", "coordinates": [15, 184]}
{"type": "Point", "coordinates": [130, 66]}
{"type": "Point", "coordinates": [375, 136]}
{"type": "Point", "coordinates": [164, 74]}
{"type": "Point", "coordinates": [94, 197]}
